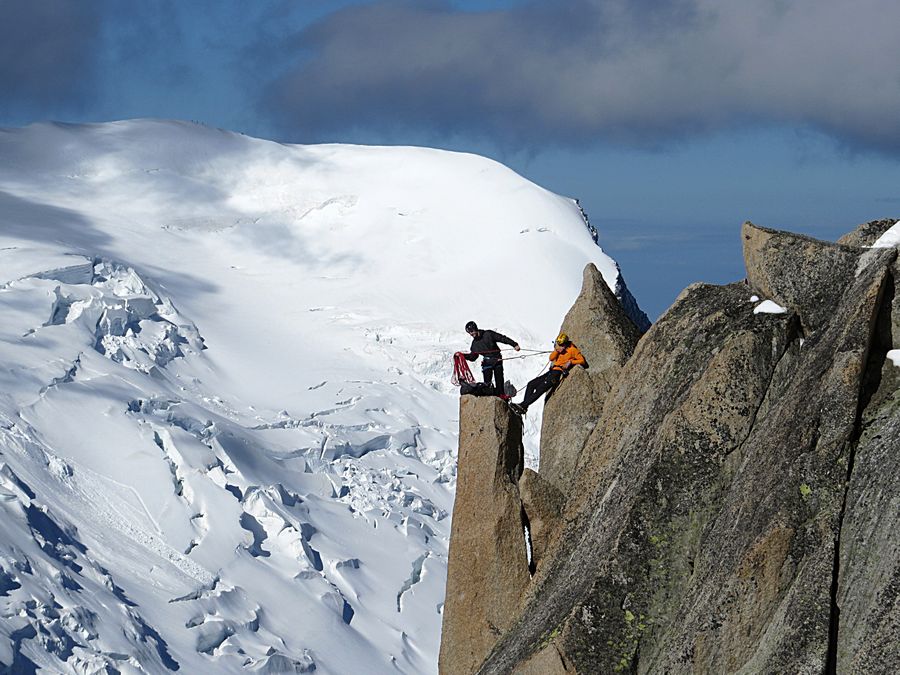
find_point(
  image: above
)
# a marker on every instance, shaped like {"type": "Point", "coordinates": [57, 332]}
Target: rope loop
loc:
{"type": "Point", "coordinates": [461, 372]}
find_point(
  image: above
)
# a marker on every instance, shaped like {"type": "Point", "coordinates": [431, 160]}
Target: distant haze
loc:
{"type": "Point", "coordinates": [681, 118]}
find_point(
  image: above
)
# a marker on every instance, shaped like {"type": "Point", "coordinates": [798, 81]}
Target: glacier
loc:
{"type": "Point", "coordinates": [227, 428]}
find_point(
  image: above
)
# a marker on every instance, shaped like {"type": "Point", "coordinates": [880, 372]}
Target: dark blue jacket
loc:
{"type": "Point", "coordinates": [485, 345]}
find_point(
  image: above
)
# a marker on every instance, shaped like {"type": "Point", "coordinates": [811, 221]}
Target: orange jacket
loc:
{"type": "Point", "coordinates": [570, 357]}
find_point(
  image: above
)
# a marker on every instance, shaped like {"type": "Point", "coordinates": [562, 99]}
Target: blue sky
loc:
{"type": "Point", "coordinates": [672, 122]}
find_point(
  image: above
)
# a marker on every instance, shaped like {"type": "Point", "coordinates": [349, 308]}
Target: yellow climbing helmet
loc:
{"type": "Point", "coordinates": [562, 339]}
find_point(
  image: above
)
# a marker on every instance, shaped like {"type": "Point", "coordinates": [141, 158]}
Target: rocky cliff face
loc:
{"type": "Point", "coordinates": [606, 336]}
{"type": "Point", "coordinates": [488, 567]}
{"type": "Point", "coordinates": [724, 499]}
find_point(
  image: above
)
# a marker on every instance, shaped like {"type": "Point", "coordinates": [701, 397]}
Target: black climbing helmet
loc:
{"type": "Point", "coordinates": [471, 326]}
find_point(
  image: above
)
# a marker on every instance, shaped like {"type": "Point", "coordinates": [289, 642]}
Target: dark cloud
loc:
{"type": "Point", "coordinates": [635, 71]}
{"type": "Point", "coordinates": [48, 54]}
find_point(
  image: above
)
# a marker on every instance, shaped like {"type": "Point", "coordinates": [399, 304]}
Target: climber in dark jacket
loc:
{"type": "Point", "coordinates": [484, 344]}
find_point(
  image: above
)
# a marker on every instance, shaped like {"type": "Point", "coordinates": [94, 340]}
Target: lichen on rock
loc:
{"type": "Point", "coordinates": [487, 572]}
{"type": "Point", "coordinates": [733, 505]}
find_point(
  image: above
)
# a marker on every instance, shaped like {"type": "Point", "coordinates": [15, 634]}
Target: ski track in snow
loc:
{"type": "Point", "coordinates": [227, 432]}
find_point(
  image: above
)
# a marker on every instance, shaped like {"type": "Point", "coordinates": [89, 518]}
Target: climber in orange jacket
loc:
{"type": "Point", "coordinates": [563, 358]}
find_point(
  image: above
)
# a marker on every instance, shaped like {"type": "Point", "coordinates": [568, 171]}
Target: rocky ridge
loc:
{"type": "Point", "coordinates": [724, 498]}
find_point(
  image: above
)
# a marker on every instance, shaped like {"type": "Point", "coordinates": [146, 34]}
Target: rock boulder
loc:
{"type": "Point", "coordinates": [487, 572]}
{"type": "Point", "coordinates": [598, 325]}
{"type": "Point", "coordinates": [725, 514]}
{"type": "Point", "coordinates": [803, 274]}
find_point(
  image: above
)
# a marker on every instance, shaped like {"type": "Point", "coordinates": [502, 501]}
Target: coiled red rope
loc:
{"type": "Point", "coordinates": [461, 372]}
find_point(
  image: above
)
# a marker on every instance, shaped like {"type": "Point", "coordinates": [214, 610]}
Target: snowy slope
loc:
{"type": "Point", "coordinates": [227, 431]}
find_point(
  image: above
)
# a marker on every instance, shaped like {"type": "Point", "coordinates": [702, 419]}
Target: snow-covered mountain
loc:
{"type": "Point", "coordinates": [227, 428]}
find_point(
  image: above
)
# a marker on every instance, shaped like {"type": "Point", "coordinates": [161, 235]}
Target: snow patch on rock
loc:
{"type": "Point", "coordinates": [889, 239]}
{"type": "Point", "coordinates": [769, 307]}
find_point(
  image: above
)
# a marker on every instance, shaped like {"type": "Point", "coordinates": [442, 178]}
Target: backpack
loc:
{"type": "Point", "coordinates": [476, 389]}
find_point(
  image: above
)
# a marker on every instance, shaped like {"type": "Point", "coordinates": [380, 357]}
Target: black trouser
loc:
{"type": "Point", "coordinates": [539, 385]}
{"type": "Point", "coordinates": [493, 369]}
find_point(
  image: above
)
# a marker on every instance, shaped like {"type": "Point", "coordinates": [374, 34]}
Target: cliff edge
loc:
{"type": "Point", "coordinates": [734, 502]}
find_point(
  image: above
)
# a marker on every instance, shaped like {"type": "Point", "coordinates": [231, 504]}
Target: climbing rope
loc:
{"type": "Point", "coordinates": [462, 373]}
{"type": "Point", "coordinates": [524, 356]}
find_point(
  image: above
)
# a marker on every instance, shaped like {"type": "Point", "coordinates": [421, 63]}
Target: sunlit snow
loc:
{"type": "Point", "coordinates": [769, 307]}
{"type": "Point", "coordinates": [227, 429]}
{"type": "Point", "coordinates": [889, 239]}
